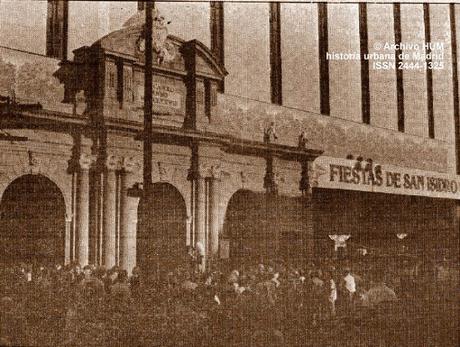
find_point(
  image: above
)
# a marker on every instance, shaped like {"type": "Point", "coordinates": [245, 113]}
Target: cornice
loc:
{"type": "Point", "coordinates": [161, 134]}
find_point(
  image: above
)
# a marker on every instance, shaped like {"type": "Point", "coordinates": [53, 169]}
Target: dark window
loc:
{"type": "Point", "coordinates": [141, 5]}
{"type": "Point", "coordinates": [453, 35]}
{"type": "Point", "coordinates": [207, 98]}
{"type": "Point", "coordinates": [429, 72]}
{"type": "Point", "coordinates": [323, 62]}
{"type": "Point", "coordinates": [56, 30]}
{"type": "Point", "coordinates": [399, 72]}
{"type": "Point", "coordinates": [364, 48]}
{"type": "Point", "coordinates": [217, 34]}
{"type": "Point", "coordinates": [275, 54]}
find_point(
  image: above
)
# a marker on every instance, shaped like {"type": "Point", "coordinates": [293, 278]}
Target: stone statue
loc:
{"type": "Point", "coordinates": [270, 133]}
{"type": "Point", "coordinates": [302, 144]}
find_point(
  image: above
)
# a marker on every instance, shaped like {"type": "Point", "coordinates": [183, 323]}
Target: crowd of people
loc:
{"type": "Point", "coordinates": [333, 303]}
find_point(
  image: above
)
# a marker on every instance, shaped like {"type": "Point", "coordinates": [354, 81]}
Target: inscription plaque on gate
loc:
{"type": "Point", "coordinates": [168, 96]}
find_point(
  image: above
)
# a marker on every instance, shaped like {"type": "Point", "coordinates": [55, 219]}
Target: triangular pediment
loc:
{"type": "Point", "coordinates": [111, 74]}
{"type": "Point", "coordinates": [128, 43]}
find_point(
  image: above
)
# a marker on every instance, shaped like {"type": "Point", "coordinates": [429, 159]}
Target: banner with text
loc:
{"type": "Point", "coordinates": [337, 173]}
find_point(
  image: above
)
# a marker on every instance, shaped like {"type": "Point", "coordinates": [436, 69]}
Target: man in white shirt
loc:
{"type": "Point", "coordinates": [350, 285]}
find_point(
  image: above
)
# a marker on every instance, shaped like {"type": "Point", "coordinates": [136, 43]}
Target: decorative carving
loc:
{"type": "Point", "coordinates": [113, 162]}
{"type": "Point", "coordinates": [164, 171]}
{"type": "Point", "coordinates": [86, 160]}
{"type": "Point", "coordinates": [131, 164]}
{"type": "Point", "coordinates": [279, 178]}
{"type": "Point", "coordinates": [80, 102]}
{"type": "Point", "coordinates": [212, 171]}
{"type": "Point", "coordinates": [165, 50]}
{"type": "Point", "coordinates": [302, 144]}
{"type": "Point", "coordinates": [216, 172]}
{"type": "Point", "coordinates": [244, 178]}
{"type": "Point", "coordinates": [161, 171]}
{"type": "Point", "coordinates": [33, 161]}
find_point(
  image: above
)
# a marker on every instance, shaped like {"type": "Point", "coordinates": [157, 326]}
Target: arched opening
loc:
{"type": "Point", "coordinates": [162, 243]}
{"type": "Point", "coordinates": [245, 227]}
{"type": "Point", "coordinates": [261, 227]}
{"type": "Point", "coordinates": [32, 223]}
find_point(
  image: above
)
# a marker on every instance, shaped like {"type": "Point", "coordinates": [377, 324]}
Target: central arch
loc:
{"type": "Point", "coordinates": [262, 227]}
{"type": "Point", "coordinates": [32, 223]}
{"type": "Point", "coordinates": [162, 243]}
{"type": "Point", "coordinates": [245, 226]}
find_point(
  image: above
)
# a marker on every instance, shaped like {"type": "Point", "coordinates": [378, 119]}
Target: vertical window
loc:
{"type": "Point", "coordinates": [429, 72]}
{"type": "Point", "coordinates": [323, 62]}
{"type": "Point", "coordinates": [120, 82]}
{"type": "Point", "coordinates": [56, 30]}
{"type": "Point", "coordinates": [364, 48]}
{"type": "Point", "coordinates": [275, 54]}
{"type": "Point", "coordinates": [217, 33]}
{"type": "Point", "coordinates": [453, 35]}
{"type": "Point", "coordinates": [399, 72]}
{"type": "Point", "coordinates": [141, 5]}
{"type": "Point", "coordinates": [207, 98]}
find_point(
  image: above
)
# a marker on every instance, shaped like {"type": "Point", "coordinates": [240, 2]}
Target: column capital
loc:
{"type": "Point", "coordinates": [68, 217]}
{"type": "Point", "coordinates": [113, 162]}
{"type": "Point", "coordinates": [216, 172]}
{"type": "Point", "coordinates": [210, 171]}
{"type": "Point", "coordinates": [131, 164]}
{"type": "Point", "coordinates": [213, 171]}
{"type": "Point", "coordinates": [86, 160]}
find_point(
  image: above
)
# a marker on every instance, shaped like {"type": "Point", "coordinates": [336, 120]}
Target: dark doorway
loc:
{"type": "Point", "coordinates": [375, 219]}
{"type": "Point", "coordinates": [261, 227]}
{"type": "Point", "coordinates": [32, 223]}
{"type": "Point", "coordinates": [162, 244]}
{"type": "Point", "coordinates": [245, 226]}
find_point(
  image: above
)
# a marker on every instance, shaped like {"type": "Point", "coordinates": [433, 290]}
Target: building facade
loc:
{"type": "Point", "coordinates": [270, 135]}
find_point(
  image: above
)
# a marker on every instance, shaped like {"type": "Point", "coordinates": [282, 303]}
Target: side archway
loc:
{"type": "Point", "coordinates": [32, 223]}
{"type": "Point", "coordinates": [162, 243]}
{"type": "Point", "coordinates": [245, 226]}
{"type": "Point", "coordinates": [261, 227]}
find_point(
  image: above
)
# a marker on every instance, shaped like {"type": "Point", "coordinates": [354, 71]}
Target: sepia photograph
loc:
{"type": "Point", "coordinates": [230, 173]}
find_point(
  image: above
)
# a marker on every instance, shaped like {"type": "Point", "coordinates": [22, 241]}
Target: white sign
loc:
{"type": "Point", "coordinates": [337, 173]}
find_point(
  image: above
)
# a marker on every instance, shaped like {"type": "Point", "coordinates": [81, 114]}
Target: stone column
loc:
{"type": "Point", "coordinates": [198, 187]}
{"type": "Point", "coordinates": [214, 195]}
{"type": "Point", "coordinates": [82, 248]}
{"type": "Point", "coordinates": [271, 201]}
{"type": "Point", "coordinates": [67, 238]}
{"type": "Point", "coordinates": [128, 219]}
{"type": "Point", "coordinates": [306, 187]}
{"type": "Point", "coordinates": [110, 209]}
{"type": "Point", "coordinates": [309, 235]}
{"type": "Point", "coordinates": [200, 217]}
